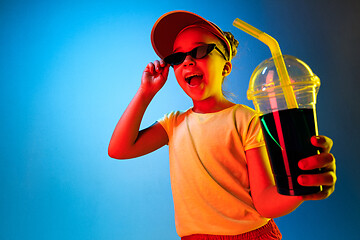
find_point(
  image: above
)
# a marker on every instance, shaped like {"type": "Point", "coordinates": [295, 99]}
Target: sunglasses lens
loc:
{"type": "Point", "coordinates": [175, 59]}
{"type": "Point", "coordinates": [197, 53]}
{"type": "Point", "coordinates": [201, 52]}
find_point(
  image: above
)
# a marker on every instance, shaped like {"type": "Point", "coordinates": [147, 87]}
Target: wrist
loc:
{"type": "Point", "coordinates": [145, 94]}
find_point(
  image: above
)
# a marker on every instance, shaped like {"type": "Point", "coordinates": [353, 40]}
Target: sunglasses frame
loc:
{"type": "Point", "coordinates": [192, 53]}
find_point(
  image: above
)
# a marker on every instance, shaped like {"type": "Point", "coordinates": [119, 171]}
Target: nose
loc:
{"type": "Point", "coordinates": [188, 61]}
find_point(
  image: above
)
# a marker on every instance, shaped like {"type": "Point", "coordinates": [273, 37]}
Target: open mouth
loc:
{"type": "Point", "coordinates": [194, 79]}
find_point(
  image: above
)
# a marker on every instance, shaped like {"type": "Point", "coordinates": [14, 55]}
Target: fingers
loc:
{"type": "Point", "coordinates": [166, 70]}
{"type": "Point", "coordinates": [321, 179]}
{"type": "Point", "coordinates": [325, 193]}
{"type": "Point", "coordinates": [156, 67]}
{"type": "Point", "coordinates": [323, 142]}
{"type": "Point", "coordinates": [322, 160]}
{"type": "Point", "coordinates": [327, 180]}
{"type": "Point", "coordinates": [154, 76]}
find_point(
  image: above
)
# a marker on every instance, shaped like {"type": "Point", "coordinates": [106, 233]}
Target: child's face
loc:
{"type": "Point", "coordinates": [200, 78]}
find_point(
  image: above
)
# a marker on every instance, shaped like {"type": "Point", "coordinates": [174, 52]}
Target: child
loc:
{"type": "Point", "coordinates": [221, 179]}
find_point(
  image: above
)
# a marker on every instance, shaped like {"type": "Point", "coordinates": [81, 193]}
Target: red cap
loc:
{"type": "Point", "coordinates": [169, 25]}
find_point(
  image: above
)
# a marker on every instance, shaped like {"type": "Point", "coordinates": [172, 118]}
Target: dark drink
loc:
{"type": "Point", "coordinates": [287, 135]}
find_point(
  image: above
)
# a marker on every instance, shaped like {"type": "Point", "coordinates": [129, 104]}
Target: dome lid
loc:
{"type": "Point", "coordinates": [265, 78]}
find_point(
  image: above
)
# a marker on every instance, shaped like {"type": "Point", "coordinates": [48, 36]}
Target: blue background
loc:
{"type": "Point", "coordinates": [68, 69]}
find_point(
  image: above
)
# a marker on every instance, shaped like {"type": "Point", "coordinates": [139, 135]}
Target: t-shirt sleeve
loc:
{"type": "Point", "coordinates": [249, 128]}
{"type": "Point", "coordinates": [167, 122]}
{"type": "Point", "coordinates": [254, 137]}
{"type": "Point", "coordinates": [164, 122]}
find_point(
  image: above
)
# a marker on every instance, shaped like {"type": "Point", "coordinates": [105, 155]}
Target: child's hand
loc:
{"type": "Point", "coordinates": [154, 76]}
{"type": "Point", "coordinates": [326, 161]}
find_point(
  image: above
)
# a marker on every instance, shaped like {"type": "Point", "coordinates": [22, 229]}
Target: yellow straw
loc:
{"type": "Point", "coordinates": [277, 56]}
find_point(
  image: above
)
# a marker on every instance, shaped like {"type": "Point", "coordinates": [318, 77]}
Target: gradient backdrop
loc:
{"type": "Point", "coordinates": [69, 68]}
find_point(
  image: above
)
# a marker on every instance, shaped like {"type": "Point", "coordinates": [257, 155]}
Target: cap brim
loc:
{"type": "Point", "coordinates": [168, 26]}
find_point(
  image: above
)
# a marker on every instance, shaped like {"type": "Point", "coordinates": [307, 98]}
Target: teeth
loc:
{"type": "Point", "coordinates": [188, 78]}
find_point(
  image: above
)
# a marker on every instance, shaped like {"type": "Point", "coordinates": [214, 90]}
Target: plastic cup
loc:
{"type": "Point", "coordinates": [287, 131]}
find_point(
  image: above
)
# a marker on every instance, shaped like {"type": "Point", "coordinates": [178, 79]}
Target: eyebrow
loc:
{"type": "Point", "coordinates": [194, 43]}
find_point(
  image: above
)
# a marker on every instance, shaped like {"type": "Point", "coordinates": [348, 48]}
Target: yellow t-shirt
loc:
{"type": "Point", "coordinates": [208, 170]}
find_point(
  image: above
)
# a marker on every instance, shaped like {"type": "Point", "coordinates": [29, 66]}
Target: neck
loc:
{"type": "Point", "coordinates": [211, 105]}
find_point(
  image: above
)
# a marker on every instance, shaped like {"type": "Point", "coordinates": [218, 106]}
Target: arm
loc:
{"type": "Point", "coordinates": [127, 140]}
{"type": "Point", "coordinates": [268, 201]}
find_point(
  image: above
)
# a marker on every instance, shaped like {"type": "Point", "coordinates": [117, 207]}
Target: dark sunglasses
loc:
{"type": "Point", "coordinates": [197, 53]}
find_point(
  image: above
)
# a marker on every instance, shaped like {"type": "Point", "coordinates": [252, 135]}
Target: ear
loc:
{"type": "Point", "coordinates": [227, 69]}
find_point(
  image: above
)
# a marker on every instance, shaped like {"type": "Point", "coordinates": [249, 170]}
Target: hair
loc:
{"type": "Point", "coordinates": [233, 43]}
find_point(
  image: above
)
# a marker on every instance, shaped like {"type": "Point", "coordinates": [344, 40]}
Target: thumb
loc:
{"type": "Point", "coordinates": [166, 71]}
{"type": "Point", "coordinates": [323, 142]}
